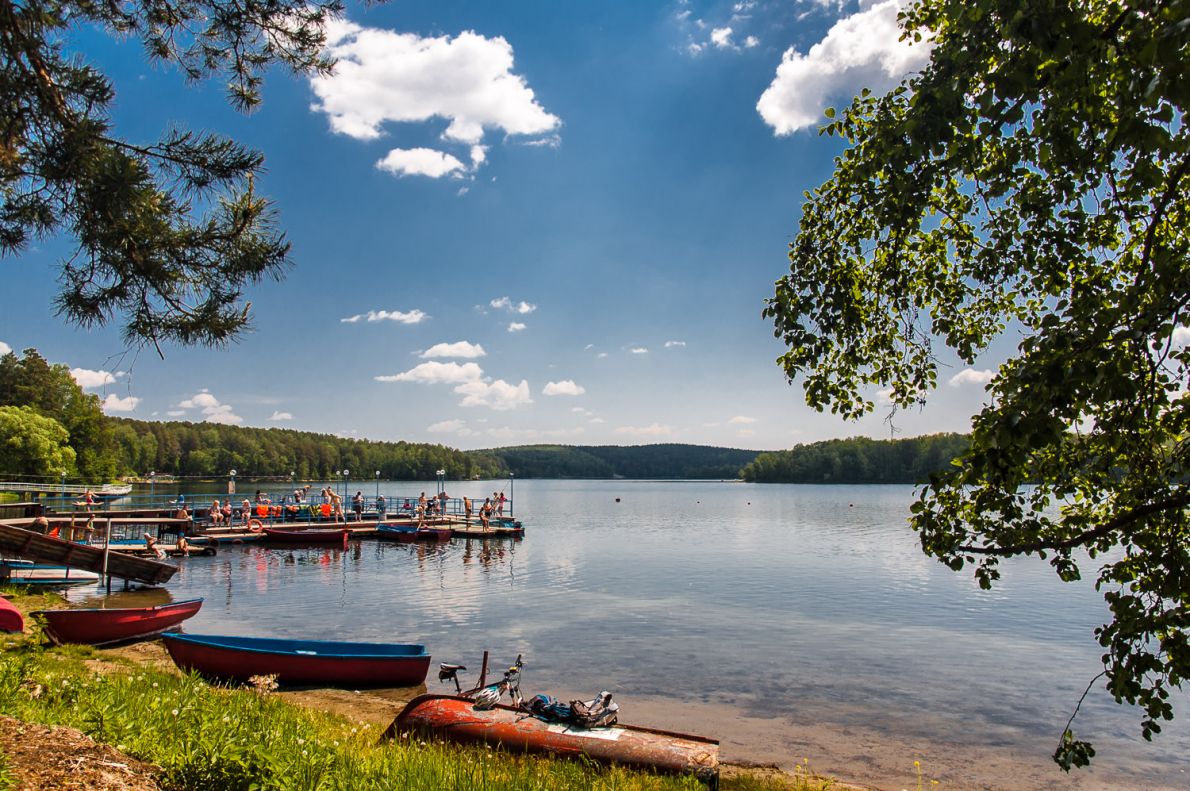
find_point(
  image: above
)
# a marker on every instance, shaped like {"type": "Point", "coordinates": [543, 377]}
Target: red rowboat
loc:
{"type": "Point", "coordinates": [115, 625]}
{"type": "Point", "coordinates": [300, 662]}
{"type": "Point", "coordinates": [11, 619]}
{"type": "Point", "coordinates": [313, 536]}
{"type": "Point", "coordinates": [455, 718]}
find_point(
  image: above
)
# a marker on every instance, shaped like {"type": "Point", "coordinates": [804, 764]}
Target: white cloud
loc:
{"type": "Point", "coordinates": [970, 376]}
{"type": "Point", "coordinates": [721, 37]}
{"type": "Point", "coordinates": [601, 355]}
{"type": "Point", "coordinates": [596, 420]}
{"type": "Point", "coordinates": [114, 403]}
{"type": "Point", "coordinates": [1180, 337]}
{"type": "Point", "coordinates": [860, 51]}
{"type": "Point", "coordinates": [564, 387]}
{"type": "Point", "coordinates": [655, 430]}
{"type": "Point", "coordinates": [88, 379]}
{"type": "Point", "coordinates": [639, 350]}
{"type": "Point", "coordinates": [382, 76]}
{"type": "Point", "coordinates": [436, 373]}
{"type": "Point", "coordinates": [212, 409]}
{"type": "Point", "coordinates": [751, 41]}
{"type": "Point", "coordinates": [516, 326]}
{"type": "Point", "coordinates": [449, 427]}
{"type": "Point", "coordinates": [278, 415]}
{"type": "Point", "coordinates": [507, 304]}
{"type": "Point", "coordinates": [420, 162]}
{"type": "Point", "coordinates": [4, 348]}
{"type": "Point", "coordinates": [412, 317]}
{"type": "Point", "coordinates": [176, 412]}
{"type": "Point", "coordinates": [499, 395]}
{"type": "Point", "coordinates": [675, 344]}
{"type": "Point", "coordinates": [740, 419]}
{"type": "Point", "coordinates": [745, 432]}
{"type": "Point", "coordinates": [458, 349]}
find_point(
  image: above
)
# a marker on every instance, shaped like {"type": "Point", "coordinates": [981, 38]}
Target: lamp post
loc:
{"type": "Point", "coordinates": [511, 493]}
{"type": "Point", "coordinates": [378, 484]}
{"type": "Point", "coordinates": [231, 482]}
{"type": "Point", "coordinates": [63, 488]}
{"type": "Point", "coordinates": [152, 487]}
{"type": "Point", "coordinates": [441, 480]}
{"type": "Point", "coordinates": [345, 474]}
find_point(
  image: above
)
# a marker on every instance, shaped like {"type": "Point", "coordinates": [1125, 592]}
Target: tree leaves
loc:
{"type": "Point", "coordinates": [1033, 177]}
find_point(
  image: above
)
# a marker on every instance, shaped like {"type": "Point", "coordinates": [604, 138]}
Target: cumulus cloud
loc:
{"type": "Point", "coordinates": [515, 326]}
{"type": "Point", "coordinates": [498, 395]}
{"type": "Point", "coordinates": [751, 41]}
{"type": "Point", "coordinates": [114, 403]}
{"type": "Point", "coordinates": [860, 51]}
{"type": "Point", "coordinates": [212, 409]}
{"type": "Point", "coordinates": [742, 419]}
{"type": "Point", "coordinates": [4, 348]}
{"type": "Point", "coordinates": [601, 355]}
{"type": "Point", "coordinates": [1180, 337]}
{"type": "Point", "coordinates": [420, 162]}
{"type": "Point", "coordinates": [564, 387]}
{"type": "Point", "coordinates": [449, 427]}
{"type": "Point", "coordinates": [176, 412]}
{"type": "Point", "coordinates": [504, 303]}
{"type": "Point", "coordinates": [970, 376]}
{"type": "Point", "coordinates": [675, 344]}
{"type": "Point", "coordinates": [88, 379]}
{"type": "Point", "coordinates": [412, 317]}
{"type": "Point", "coordinates": [458, 349]}
{"type": "Point", "coordinates": [639, 350]}
{"type": "Point", "coordinates": [654, 430]}
{"type": "Point", "coordinates": [382, 76]}
{"type": "Point", "coordinates": [721, 37]}
{"type": "Point", "coordinates": [436, 373]}
{"type": "Point", "coordinates": [278, 415]}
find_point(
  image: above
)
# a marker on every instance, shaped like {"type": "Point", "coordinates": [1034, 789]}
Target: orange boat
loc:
{"type": "Point", "coordinates": [456, 719]}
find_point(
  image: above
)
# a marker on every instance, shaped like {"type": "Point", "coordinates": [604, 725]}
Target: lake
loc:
{"type": "Point", "coordinates": [788, 621]}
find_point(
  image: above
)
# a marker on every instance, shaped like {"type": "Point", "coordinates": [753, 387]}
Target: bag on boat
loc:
{"type": "Point", "coordinates": [546, 708]}
{"type": "Point", "coordinates": [598, 712]}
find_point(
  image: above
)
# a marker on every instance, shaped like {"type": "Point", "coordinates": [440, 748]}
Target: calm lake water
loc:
{"type": "Point", "coordinates": [788, 621]}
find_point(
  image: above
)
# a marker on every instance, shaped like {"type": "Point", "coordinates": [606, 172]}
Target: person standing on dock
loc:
{"type": "Point", "coordinates": [500, 505]}
{"type": "Point", "coordinates": [466, 510]}
{"type": "Point", "coordinates": [336, 505]}
{"type": "Point", "coordinates": [381, 507]}
{"type": "Point", "coordinates": [357, 505]}
{"type": "Point", "coordinates": [443, 497]}
{"type": "Point", "coordinates": [485, 513]}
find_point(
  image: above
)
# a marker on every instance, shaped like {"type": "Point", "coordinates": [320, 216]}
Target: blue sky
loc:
{"type": "Point", "coordinates": [516, 223]}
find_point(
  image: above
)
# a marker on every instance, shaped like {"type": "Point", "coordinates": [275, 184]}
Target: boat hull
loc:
{"type": "Point", "coordinates": [313, 536]}
{"type": "Point", "coordinates": [116, 625]}
{"type": "Point", "coordinates": [21, 572]}
{"type": "Point", "coordinates": [300, 662]}
{"type": "Point", "coordinates": [456, 719]}
{"type": "Point", "coordinates": [11, 619]}
{"type": "Point", "coordinates": [412, 533]}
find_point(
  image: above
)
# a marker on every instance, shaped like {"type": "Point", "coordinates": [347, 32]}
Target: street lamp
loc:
{"type": "Point", "coordinates": [511, 494]}
{"type": "Point", "coordinates": [63, 488]}
{"type": "Point", "coordinates": [231, 483]}
{"type": "Point", "coordinates": [441, 481]}
{"type": "Point", "coordinates": [378, 484]}
{"type": "Point", "coordinates": [152, 488]}
{"type": "Point", "coordinates": [345, 474]}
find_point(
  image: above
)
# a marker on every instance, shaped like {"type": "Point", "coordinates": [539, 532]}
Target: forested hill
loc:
{"type": "Point", "coordinates": [858, 460]}
{"type": "Point", "coordinates": [609, 461]}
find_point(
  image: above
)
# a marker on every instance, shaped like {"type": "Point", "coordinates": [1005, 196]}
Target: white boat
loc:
{"type": "Point", "coordinates": [26, 572]}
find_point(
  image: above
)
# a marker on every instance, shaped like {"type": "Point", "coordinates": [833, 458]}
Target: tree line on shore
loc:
{"type": "Point", "coordinates": [49, 426]}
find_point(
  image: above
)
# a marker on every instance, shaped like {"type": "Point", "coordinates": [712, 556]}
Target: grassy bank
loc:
{"type": "Point", "coordinates": [207, 737]}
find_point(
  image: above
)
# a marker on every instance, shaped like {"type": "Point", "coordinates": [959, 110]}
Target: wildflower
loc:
{"type": "Point", "coordinates": [174, 712]}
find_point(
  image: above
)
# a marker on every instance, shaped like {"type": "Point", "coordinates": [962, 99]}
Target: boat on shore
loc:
{"type": "Point", "coordinates": [312, 536]}
{"type": "Point", "coordinates": [16, 571]}
{"type": "Point", "coordinates": [455, 718]}
{"type": "Point", "coordinates": [11, 619]}
{"type": "Point", "coordinates": [300, 662]}
{"type": "Point", "coordinates": [115, 625]}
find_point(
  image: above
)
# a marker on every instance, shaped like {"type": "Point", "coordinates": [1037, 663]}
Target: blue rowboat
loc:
{"type": "Point", "coordinates": [300, 662]}
{"type": "Point", "coordinates": [412, 532]}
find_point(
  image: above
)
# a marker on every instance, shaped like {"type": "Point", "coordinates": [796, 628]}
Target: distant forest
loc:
{"type": "Point", "coordinates": [615, 461]}
{"type": "Point", "coordinates": [858, 460]}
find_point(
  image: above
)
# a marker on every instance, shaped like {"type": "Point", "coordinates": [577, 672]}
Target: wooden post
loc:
{"type": "Point", "coordinates": [107, 540]}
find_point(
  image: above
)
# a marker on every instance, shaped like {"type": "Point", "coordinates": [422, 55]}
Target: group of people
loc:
{"type": "Point", "coordinates": [492, 507]}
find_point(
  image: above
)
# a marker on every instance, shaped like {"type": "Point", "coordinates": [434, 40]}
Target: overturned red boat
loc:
{"type": "Point", "coordinates": [310, 536]}
{"type": "Point", "coordinates": [115, 625]}
{"type": "Point", "coordinates": [456, 719]}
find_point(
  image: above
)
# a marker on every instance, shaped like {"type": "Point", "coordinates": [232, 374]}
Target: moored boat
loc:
{"type": "Point", "coordinates": [115, 625]}
{"type": "Point", "coordinates": [311, 536]}
{"type": "Point", "coordinates": [11, 619]}
{"type": "Point", "coordinates": [455, 718]}
{"type": "Point", "coordinates": [26, 572]}
{"type": "Point", "coordinates": [412, 532]}
{"type": "Point", "coordinates": [300, 662]}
